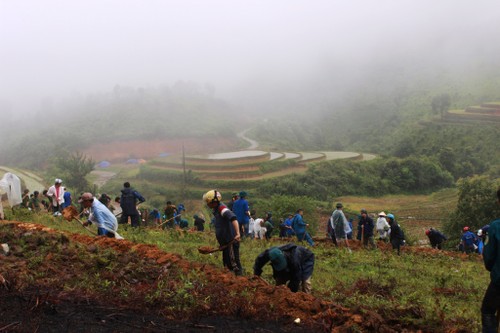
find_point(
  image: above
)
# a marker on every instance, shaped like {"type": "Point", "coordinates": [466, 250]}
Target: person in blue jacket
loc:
{"type": "Point", "coordinates": [67, 198]}
{"type": "Point", "coordinates": [299, 226]}
{"type": "Point", "coordinates": [291, 263]}
{"type": "Point", "coordinates": [491, 258]}
{"type": "Point", "coordinates": [242, 211]}
{"type": "Point", "coordinates": [469, 241]}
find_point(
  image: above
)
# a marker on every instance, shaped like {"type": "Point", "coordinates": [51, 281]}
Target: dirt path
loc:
{"type": "Point", "coordinates": [253, 144]}
{"type": "Point", "coordinates": [102, 177]}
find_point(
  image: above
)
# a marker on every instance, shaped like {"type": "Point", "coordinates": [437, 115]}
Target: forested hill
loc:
{"type": "Point", "coordinates": [389, 114]}
{"type": "Point", "coordinates": [183, 110]}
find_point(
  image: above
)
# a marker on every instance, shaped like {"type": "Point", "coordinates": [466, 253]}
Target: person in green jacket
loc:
{"type": "Point", "coordinates": [491, 257]}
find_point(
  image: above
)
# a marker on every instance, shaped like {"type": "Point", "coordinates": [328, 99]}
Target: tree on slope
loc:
{"type": "Point", "coordinates": [73, 168]}
{"type": "Point", "coordinates": [476, 205]}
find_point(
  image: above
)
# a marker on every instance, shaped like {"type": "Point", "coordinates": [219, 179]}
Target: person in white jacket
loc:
{"type": "Point", "coordinates": [382, 227]}
{"type": "Point", "coordinates": [259, 229]}
{"type": "Point", "coordinates": [56, 193]}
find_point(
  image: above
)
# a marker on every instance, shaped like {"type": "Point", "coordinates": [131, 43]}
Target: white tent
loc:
{"type": "Point", "coordinates": [11, 184]}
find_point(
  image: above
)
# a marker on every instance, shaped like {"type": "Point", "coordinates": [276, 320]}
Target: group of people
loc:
{"type": "Point", "coordinates": [339, 229]}
{"type": "Point", "coordinates": [292, 264]}
{"type": "Point", "coordinates": [53, 200]}
{"type": "Point", "coordinates": [473, 242]}
{"type": "Point", "coordinates": [100, 210]}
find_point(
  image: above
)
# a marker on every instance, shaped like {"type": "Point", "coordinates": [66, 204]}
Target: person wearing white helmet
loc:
{"type": "Point", "coordinates": [227, 231]}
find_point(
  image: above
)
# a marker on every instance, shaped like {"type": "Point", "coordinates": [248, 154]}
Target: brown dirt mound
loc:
{"type": "Point", "coordinates": [220, 301]}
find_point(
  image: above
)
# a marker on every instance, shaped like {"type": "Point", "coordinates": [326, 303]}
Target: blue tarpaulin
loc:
{"type": "Point", "coordinates": [103, 164]}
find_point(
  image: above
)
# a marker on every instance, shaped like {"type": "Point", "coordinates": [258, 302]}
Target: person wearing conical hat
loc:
{"type": "Point", "coordinates": [382, 227]}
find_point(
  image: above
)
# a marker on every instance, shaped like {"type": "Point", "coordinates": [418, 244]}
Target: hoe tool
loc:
{"type": "Point", "coordinates": [208, 249]}
{"type": "Point", "coordinates": [70, 213]}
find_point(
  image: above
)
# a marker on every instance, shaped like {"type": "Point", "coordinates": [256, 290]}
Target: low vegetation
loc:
{"type": "Point", "coordinates": [421, 289]}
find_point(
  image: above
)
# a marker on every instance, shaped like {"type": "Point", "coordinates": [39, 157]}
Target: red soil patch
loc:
{"type": "Point", "coordinates": [120, 151]}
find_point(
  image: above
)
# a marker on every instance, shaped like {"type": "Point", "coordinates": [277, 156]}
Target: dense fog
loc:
{"type": "Point", "coordinates": [249, 52]}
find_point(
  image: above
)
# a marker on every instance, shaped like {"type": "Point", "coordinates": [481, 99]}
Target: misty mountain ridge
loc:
{"type": "Point", "coordinates": [376, 114]}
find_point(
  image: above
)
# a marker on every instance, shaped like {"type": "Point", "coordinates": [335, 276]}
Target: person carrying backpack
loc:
{"type": "Point", "coordinates": [128, 202]}
{"type": "Point", "coordinates": [469, 241]}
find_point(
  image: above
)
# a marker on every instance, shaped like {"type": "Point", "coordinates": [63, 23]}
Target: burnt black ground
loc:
{"type": "Point", "coordinates": [30, 312]}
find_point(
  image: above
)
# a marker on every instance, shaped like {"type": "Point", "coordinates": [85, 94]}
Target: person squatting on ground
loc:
{"type": "Point", "coordinates": [268, 223]}
{"type": "Point", "coordinates": [251, 226]}
{"type": "Point", "coordinates": [491, 258]}
{"type": "Point", "coordinates": [383, 227]}
{"type": "Point", "coordinates": [170, 212]}
{"type": "Point", "coordinates": [199, 223]}
{"type": "Point", "coordinates": [367, 226]}
{"type": "Point", "coordinates": [291, 263]}
{"type": "Point", "coordinates": [56, 195]}
{"type": "Point", "coordinates": [339, 226]}
{"type": "Point", "coordinates": [436, 238]}
{"type": "Point", "coordinates": [299, 226]}
{"type": "Point", "coordinates": [25, 199]}
{"type": "Point", "coordinates": [258, 229]}
{"type": "Point", "coordinates": [128, 202]}
{"type": "Point", "coordinates": [227, 231]}
{"type": "Point", "coordinates": [35, 202]}
{"type": "Point", "coordinates": [107, 225]}
{"type": "Point", "coordinates": [397, 236]}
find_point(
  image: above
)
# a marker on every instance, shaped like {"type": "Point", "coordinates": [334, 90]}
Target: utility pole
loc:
{"type": "Point", "coordinates": [184, 181]}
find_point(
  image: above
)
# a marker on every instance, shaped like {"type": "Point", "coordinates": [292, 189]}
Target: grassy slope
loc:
{"type": "Point", "coordinates": [436, 291]}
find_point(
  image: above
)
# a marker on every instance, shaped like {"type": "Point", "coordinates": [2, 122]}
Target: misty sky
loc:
{"type": "Point", "coordinates": [55, 48]}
